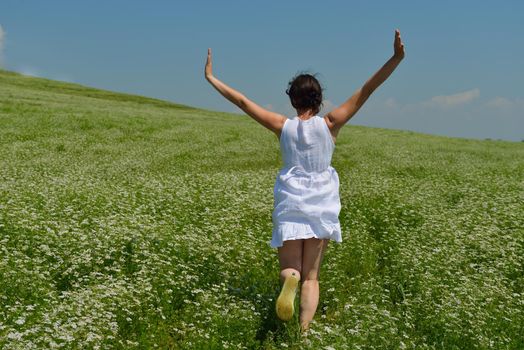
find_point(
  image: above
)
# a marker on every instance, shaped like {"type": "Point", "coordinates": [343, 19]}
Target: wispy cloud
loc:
{"type": "Point", "coordinates": [29, 71]}
{"type": "Point", "coordinates": [2, 40]}
{"type": "Point", "coordinates": [463, 114]}
{"type": "Point", "coordinates": [391, 103]}
{"type": "Point", "coordinates": [499, 103]}
{"type": "Point", "coordinates": [504, 103]}
{"type": "Point", "coordinates": [327, 106]}
{"type": "Point", "coordinates": [446, 101]}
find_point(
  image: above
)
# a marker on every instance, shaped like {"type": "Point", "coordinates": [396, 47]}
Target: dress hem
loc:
{"type": "Point", "coordinates": [293, 231]}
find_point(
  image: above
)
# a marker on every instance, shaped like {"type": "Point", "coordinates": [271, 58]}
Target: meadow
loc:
{"type": "Point", "coordinates": [133, 223]}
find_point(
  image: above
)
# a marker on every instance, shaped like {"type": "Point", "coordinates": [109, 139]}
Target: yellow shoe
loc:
{"type": "Point", "coordinates": [286, 300]}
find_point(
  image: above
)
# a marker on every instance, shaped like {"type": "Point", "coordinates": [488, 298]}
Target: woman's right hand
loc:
{"type": "Point", "coordinates": [209, 68]}
{"type": "Point", "coordinates": [398, 46]}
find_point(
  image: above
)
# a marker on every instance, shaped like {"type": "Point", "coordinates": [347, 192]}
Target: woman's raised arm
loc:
{"type": "Point", "coordinates": [339, 116]}
{"type": "Point", "coordinates": [272, 121]}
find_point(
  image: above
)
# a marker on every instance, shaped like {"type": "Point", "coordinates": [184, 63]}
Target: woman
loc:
{"type": "Point", "coordinates": [306, 192]}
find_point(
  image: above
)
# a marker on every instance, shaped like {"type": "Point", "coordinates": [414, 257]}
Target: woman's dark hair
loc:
{"type": "Point", "coordinates": [305, 92]}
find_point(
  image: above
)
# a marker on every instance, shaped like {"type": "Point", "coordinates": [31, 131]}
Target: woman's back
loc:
{"type": "Point", "coordinates": [306, 144]}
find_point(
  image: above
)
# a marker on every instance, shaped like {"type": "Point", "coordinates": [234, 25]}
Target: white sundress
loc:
{"type": "Point", "coordinates": [306, 192]}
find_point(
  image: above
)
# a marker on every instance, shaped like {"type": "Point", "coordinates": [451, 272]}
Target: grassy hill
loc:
{"type": "Point", "coordinates": [128, 222]}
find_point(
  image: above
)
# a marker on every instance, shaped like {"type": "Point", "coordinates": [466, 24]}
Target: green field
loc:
{"type": "Point", "coordinates": [134, 223]}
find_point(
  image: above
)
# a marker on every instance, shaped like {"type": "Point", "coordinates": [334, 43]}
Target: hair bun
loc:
{"type": "Point", "coordinates": [305, 91]}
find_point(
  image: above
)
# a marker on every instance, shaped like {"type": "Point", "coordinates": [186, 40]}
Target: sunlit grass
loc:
{"type": "Point", "coordinates": [128, 222]}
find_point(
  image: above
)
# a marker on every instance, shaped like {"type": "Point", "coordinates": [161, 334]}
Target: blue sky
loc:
{"type": "Point", "coordinates": [462, 75]}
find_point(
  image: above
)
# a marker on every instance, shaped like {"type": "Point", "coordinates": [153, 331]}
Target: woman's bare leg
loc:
{"type": "Point", "coordinates": [290, 259]}
{"type": "Point", "coordinates": [311, 260]}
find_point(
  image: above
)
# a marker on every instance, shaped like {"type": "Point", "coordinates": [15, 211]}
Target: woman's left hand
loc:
{"type": "Point", "coordinates": [398, 46]}
{"type": "Point", "coordinates": [209, 68]}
